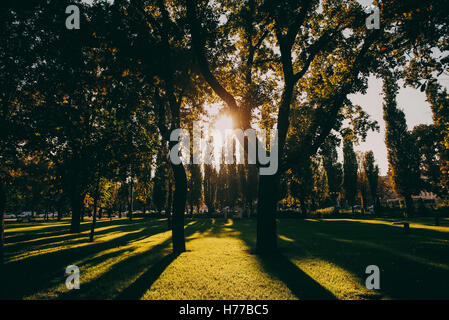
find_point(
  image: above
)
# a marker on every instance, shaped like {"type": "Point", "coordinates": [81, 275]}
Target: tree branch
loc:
{"type": "Point", "coordinates": [199, 49]}
{"type": "Point", "coordinates": [320, 130]}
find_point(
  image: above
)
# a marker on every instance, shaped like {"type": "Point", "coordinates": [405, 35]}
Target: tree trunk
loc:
{"type": "Point", "coordinates": [59, 214]}
{"type": "Point", "coordinates": [76, 201]}
{"type": "Point", "coordinates": [94, 217]}
{"type": "Point", "coordinates": [179, 205]}
{"type": "Point", "coordinates": [131, 201]}
{"type": "Point", "coordinates": [302, 203]}
{"type": "Point", "coordinates": [94, 220]}
{"type": "Point", "coordinates": [266, 215]}
{"type": "Point", "coordinates": [377, 207]}
{"type": "Point", "coordinates": [269, 184]}
{"type": "Point", "coordinates": [363, 205]}
{"type": "Point", "coordinates": [169, 221]}
{"type": "Point", "coordinates": [169, 209]}
{"type": "Point", "coordinates": [2, 222]}
{"type": "Point", "coordinates": [250, 208]}
{"type": "Point", "coordinates": [409, 205]}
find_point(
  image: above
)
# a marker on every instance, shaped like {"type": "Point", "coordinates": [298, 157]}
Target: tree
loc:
{"type": "Point", "coordinates": [372, 173]}
{"type": "Point", "coordinates": [222, 184]}
{"type": "Point", "coordinates": [299, 48]}
{"type": "Point", "coordinates": [320, 190]}
{"type": "Point", "coordinates": [80, 107]}
{"type": "Point", "coordinates": [421, 30]}
{"type": "Point", "coordinates": [160, 182]}
{"type": "Point", "coordinates": [427, 146]}
{"type": "Point", "coordinates": [403, 162]}
{"type": "Point", "coordinates": [301, 183]}
{"type": "Point", "coordinates": [334, 169]}
{"type": "Point", "coordinates": [251, 187]}
{"type": "Point", "coordinates": [233, 181]}
{"type": "Point", "coordinates": [178, 88]}
{"type": "Point", "coordinates": [194, 186]}
{"type": "Point", "coordinates": [362, 180]}
{"type": "Point", "coordinates": [94, 214]}
{"type": "Point", "coordinates": [144, 188]}
{"type": "Point", "coordinates": [439, 102]}
{"type": "Point", "coordinates": [210, 187]}
{"type": "Point", "coordinates": [15, 35]}
{"type": "Point", "coordinates": [349, 170]}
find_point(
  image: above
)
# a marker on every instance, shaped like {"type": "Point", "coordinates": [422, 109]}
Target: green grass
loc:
{"type": "Point", "coordinates": [319, 259]}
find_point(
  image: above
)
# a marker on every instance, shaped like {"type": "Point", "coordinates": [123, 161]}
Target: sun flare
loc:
{"type": "Point", "coordinates": [223, 123]}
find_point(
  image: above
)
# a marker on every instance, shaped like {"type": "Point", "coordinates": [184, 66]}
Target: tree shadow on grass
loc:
{"type": "Point", "coordinates": [276, 265]}
{"type": "Point", "coordinates": [49, 232]}
{"type": "Point", "coordinates": [120, 281]}
{"type": "Point", "coordinates": [413, 266]}
{"type": "Point", "coordinates": [31, 275]}
{"type": "Point", "coordinates": [44, 242]}
{"type": "Point", "coordinates": [137, 289]}
{"type": "Point", "coordinates": [299, 283]}
{"type": "Point", "coordinates": [148, 264]}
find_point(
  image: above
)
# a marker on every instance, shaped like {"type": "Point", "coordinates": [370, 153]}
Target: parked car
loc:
{"type": "Point", "coordinates": [25, 214]}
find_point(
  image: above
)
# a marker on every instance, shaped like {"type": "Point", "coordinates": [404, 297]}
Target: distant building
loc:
{"type": "Point", "coordinates": [390, 199]}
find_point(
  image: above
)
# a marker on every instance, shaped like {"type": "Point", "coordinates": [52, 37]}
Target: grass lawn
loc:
{"type": "Point", "coordinates": [319, 259]}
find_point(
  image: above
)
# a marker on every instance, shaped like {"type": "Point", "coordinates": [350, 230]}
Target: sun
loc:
{"type": "Point", "coordinates": [220, 131]}
{"type": "Point", "coordinates": [223, 123]}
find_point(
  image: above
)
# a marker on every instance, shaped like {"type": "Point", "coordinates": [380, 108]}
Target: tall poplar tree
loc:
{"type": "Point", "coordinates": [349, 170]}
{"type": "Point", "coordinates": [372, 173]}
{"type": "Point", "coordinates": [402, 158]}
